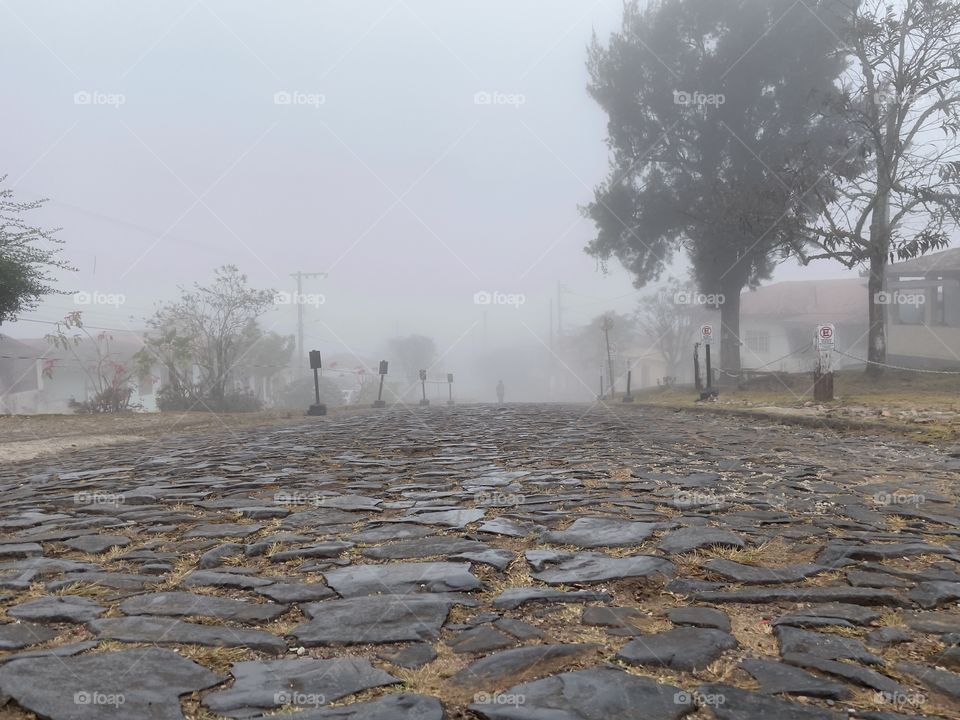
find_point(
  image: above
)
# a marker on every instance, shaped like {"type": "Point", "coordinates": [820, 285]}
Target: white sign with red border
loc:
{"type": "Point", "coordinates": [706, 333]}
{"type": "Point", "coordinates": [826, 335]}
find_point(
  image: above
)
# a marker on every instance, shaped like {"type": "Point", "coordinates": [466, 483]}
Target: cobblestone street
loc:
{"type": "Point", "coordinates": [524, 562]}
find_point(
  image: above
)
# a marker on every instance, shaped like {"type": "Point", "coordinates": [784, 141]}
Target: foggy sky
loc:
{"type": "Point", "coordinates": [412, 196]}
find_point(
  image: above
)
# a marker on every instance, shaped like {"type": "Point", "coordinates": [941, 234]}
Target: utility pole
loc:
{"type": "Point", "coordinates": [551, 325]}
{"type": "Point", "coordinates": [607, 324]}
{"type": "Point", "coordinates": [298, 300]}
{"type": "Point", "coordinates": [561, 288]}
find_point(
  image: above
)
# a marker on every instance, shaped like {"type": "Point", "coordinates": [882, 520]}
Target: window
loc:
{"type": "Point", "coordinates": [758, 342]}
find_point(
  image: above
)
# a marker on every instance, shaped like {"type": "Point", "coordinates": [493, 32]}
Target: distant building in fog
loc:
{"type": "Point", "coordinates": [923, 322]}
{"type": "Point", "coordinates": [778, 323]}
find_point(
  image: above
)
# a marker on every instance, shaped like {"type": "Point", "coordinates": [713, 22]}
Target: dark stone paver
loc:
{"type": "Point", "coordinates": [301, 683]}
{"type": "Point", "coordinates": [66, 608]}
{"type": "Point", "coordinates": [188, 604]}
{"type": "Point", "coordinates": [141, 683]}
{"type": "Point", "coordinates": [602, 532]}
{"type": "Point", "coordinates": [700, 617]}
{"type": "Point", "coordinates": [501, 668]}
{"type": "Point", "coordinates": [776, 679]}
{"type": "Point", "coordinates": [430, 577]}
{"type": "Point", "coordinates": [683, 648]}
{"type": "Point", "coordinates": [147, 629]}
{"type": "Point", "coordinates": [374, 619]}
{"type": "Point", "coordinates": [591, 694]}
{"type": "Point", "coordinates": [693, 538]}
{"type": "Point", "coordinates": [597, 567]}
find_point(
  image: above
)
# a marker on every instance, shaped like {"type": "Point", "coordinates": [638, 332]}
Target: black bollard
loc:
{"type": "Point", "coordinates": [379, 403]}
{"type": "Point", "coordinates": [628, 398]}
{"type": "Point", "coordinates": [318, 408]}
{"type": "Point", "coordinates": [709, 392]}
{"type": "Point", "coordinates": [450, 387]}
{"type": "Point", "coordinates": [423, 384]}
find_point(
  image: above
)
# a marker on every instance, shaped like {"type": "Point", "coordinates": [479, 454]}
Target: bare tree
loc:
{"type": "Point", "coordinates": [902, 96]}
{"type": "Point", "coordinates": [669, 318]}
{"type": "Point", "coordinates": [211, 327]}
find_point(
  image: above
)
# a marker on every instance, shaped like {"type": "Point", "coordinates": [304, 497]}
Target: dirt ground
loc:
{"type": "Point", "coordinates": [922, 406]}
{"type": "Point", "coordinates": [23, 437]}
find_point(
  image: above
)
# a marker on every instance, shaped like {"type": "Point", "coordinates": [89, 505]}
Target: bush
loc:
{"type": "Point", "coordinates": [170, 399]}
{"type": "Point", "coordinates": [299, 394]}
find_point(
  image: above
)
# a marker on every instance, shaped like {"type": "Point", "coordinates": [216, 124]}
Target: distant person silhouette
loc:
{"type": "Point", "coordinates": [500, 391]}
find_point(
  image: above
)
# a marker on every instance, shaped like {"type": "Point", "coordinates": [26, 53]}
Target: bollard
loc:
{"type": "Point", "coordinates": [709, 391]}
{"type": "Point", "coordinates": [601, 387]}
{"type": "Point", "coordinates": [450, 387]}
{"type": "Point", "coordinates": [423, 385]}
{"type": "Point", "coordinates": [628, 398]}
{"type": "Point", "coordinates": [697, 382]}
{"type": "Point", "coordinates": [379, 403]}
{"type": "Point", "coordinates": [318, 408]}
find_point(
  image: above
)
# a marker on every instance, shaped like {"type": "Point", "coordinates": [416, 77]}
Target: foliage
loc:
{"type": "Point", "coordinates": [670, 325]}
{"type": "Point", "coordinates": [413, 353]}
{"type": "Point", "coordinates": [28, 254]}
{"type": "Point", "coordinates": [211, 328]}
{"type": "Point", "coordinates": [299, 394]}
{"type": "Point", "coordinates": [716, 131]}
{"type": "Point", "coordinates": [110, 378]}
{"type": "Point", "coordinates": [902, 99]}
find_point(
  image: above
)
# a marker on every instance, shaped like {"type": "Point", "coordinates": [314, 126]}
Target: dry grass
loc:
{"type": "Point", "coordinates": [218, 659]}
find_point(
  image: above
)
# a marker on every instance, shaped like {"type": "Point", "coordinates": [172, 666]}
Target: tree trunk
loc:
{"type": "Point", "coordinates": [730, 332]}
{"type": "Point", "coordinates": [877, 340]}
{"type": "Point", "coordinates": [879, 251]}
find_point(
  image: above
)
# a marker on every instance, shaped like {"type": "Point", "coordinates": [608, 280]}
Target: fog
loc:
{"type": "Point", "coordinates": [417, 152]}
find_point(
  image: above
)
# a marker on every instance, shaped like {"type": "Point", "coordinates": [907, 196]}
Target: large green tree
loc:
{"type": "Point", "coordinates": [28, 256]}
{"type": "Point", "coordinates": [717, 131]}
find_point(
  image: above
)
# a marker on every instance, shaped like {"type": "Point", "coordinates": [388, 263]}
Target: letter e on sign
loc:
{"type": "Point", "coordinates": [826, 335]}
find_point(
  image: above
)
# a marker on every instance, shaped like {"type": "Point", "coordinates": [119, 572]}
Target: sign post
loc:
{"type": "Point", "coordinates": [706, 338]}
{"type": "Point", "coordinates": [423, 385]}
{"type": "Point", "coordinates": [628, 398]}
{"type": "Point", "coordinates": [318, 408]}
{"type": "Point", "coordinates": [450, 387]}
{"type": "Point", "coordinates": [826, 339]}
{"type": "Point", "coordinates": [379, 403]}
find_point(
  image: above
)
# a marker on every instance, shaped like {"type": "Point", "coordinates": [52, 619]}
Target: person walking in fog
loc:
{"type": "Point", "coordinates": [500, 391]}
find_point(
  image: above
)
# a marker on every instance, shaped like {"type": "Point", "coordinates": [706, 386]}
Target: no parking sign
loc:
{"type": "Point", "coordinates": [706, 333]}
{"type": "Point", "coordinates": [826, 335]}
